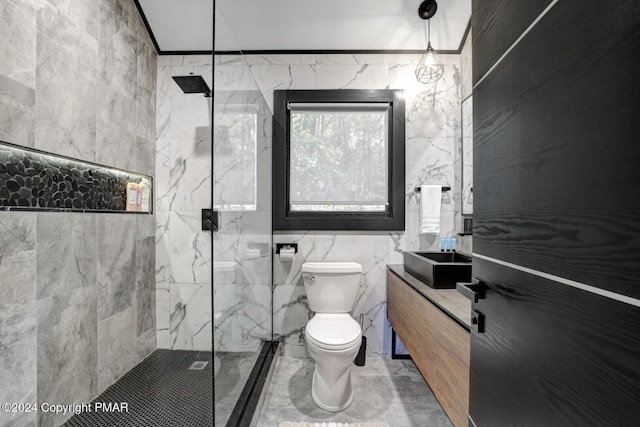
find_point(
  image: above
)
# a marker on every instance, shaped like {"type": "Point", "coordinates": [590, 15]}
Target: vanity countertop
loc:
{"type": "Point", "coordinates": [450, 301]}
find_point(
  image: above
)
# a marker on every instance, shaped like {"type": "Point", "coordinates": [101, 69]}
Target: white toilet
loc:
{"type": "Point", "coordinates": [333, 337]}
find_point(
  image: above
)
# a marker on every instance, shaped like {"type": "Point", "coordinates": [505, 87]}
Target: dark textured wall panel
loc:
{"type": "Point", "coordinates": [557, 152]}
{"type": "Point", "coordinates": [496, 25]}
{"type": "Point", "coordinates": [552, 355]}
{"type": "Point", "coordinates": [39, 181]}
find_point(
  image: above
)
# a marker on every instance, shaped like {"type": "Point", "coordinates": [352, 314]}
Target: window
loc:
{"type": "Point", "coordinates": [240, 129]}
{"type": "Point", "coordinates": [338, 160]}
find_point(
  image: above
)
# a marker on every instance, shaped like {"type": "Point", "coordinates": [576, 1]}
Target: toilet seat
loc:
{"type": "Point", "coordinates": [331, 331]}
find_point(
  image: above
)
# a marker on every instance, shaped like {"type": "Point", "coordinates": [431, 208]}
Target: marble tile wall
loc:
{"type": "Point", "coordinates": [432, 145]}
{"type": "Point", "coordinates": [241, 187]}
{"type": "Point", "coordinates": [183, 188]}
{"type": "Point", "coordinates": [77, 78]}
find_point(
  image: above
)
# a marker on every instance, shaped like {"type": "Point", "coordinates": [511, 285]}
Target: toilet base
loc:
{"type": "Point", "coordinates": [324, 395]}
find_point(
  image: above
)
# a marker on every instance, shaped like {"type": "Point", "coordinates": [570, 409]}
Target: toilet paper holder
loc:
{"type": "Point", "coordinates": [286, 246]}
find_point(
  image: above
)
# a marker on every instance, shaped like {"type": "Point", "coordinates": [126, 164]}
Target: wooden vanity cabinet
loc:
{"type": "Point", "coordinates": [439, 346]}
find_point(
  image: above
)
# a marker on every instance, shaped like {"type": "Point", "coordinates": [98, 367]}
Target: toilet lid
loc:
{"type": "Point", "coordinates": [333, 331]}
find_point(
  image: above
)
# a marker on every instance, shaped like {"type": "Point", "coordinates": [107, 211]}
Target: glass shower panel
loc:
{"type": "Point", "coordinates": [242, 246]}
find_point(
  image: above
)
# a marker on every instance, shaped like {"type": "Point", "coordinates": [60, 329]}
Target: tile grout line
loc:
{"type": "Point", "coordinates": [572, 283]}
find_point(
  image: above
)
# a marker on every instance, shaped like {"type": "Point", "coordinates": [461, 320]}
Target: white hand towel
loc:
{"type": "Point", "coordinates": [430, 202]}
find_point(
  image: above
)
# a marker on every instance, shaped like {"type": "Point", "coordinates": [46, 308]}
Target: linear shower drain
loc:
{"type": "Point", "coordinates": [198, 366]}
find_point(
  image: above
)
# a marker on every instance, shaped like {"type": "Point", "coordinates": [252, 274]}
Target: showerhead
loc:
{"type": "Point", "coordinates": [193, 84]}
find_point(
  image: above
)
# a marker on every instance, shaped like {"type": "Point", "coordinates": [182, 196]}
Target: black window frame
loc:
{"type": "Point", "coordinates": [391, 220]}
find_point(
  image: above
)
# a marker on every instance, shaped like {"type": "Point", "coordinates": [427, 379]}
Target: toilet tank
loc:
{"type": "Point", "coordinates": [331, 286]}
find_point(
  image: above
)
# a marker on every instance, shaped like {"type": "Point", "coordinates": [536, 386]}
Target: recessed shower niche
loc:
{"type": "Point", "coordinates": [39, 181]}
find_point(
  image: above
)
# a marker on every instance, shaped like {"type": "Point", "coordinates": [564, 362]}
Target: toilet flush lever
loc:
{"type": "Point", "coordinates": [309, 277]}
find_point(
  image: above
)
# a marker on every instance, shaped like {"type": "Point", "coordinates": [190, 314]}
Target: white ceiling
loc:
{"type": "Point", "coordinates": [186, 25]}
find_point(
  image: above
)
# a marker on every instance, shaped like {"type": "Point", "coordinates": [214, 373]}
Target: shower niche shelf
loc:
{"type": "Point", "coordinates": [34, 180]}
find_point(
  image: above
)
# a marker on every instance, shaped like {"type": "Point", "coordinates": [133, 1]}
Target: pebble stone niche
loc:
{"type": "Point", "coordinates": [35, 180]}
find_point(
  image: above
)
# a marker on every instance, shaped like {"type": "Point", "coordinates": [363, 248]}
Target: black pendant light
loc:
{"type": "Point", "coordinates": [430, 68]}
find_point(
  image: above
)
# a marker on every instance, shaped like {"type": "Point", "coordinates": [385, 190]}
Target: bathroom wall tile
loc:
{"type": "Point", "coordinates": [17, 313]}
{"type": "Point", "coordinates": [83, 13]}
{"type": "Point", "coordinates": [116, 144]}
{"type": "Point", "coordinates": [226, 60]}
{"type": "Point", "coordinates": [66, 99]}
{"type": "Point", "coordinates": [290, 316]}
{"type": "Point", "coordinates": [228, 317]}
{"type": "Point", "coordinates": [116, 264]}
{"type": "Point", "coordinates": [264, 181]}
{"type": "Point", "coordinates": [117, 347]}
{"type": "Point", "coordinates": [18, 47]}
{"type": "Point", "coordinates": [162, 178]}
{"type": "Point", "coordinates": [256, 315]}
{"type": "Point", "coordinates": [18, 282]}
{"type": "Point", "coordinates": [429, 161]}
{"type": "Point", "coordinates": [397, 242]}
{"type": "Point", "coordinates": [18, 363]}
{"type": "Point", "coordinates": [146, 90]}
{"type": "Point", "coordinates": [163, 242]}
{"type": "Point", "coordinates": [256, 271]}
{"type": "Point", "coordinates": [147, 67]}
{"type": "Point", "coordinates": [17, 73]}
{"type": "Point", "coordinates": [466, 62]}
{"type": "Point", "coordinates": [146, 113]}
{"type": "Point", "coordinates": [289, 273]}
{"type": "Point", "coordinates": [17, 232]}
{"type": "Point", "coordinates": [190, 176]}
{"type": "Point", "coordinates": [191, 60]}
{"type": "Point", "coordinates": [163, 312]}
{"type": "Point", "coordinates": [145, 274]}
{"type": "Point", "coordinates": [465, 244]}
{"type": "Point", "coordinates": [279, 77]}
{"type": "Point", "coordinates": [235, 77]}
{"type": "Point", "coordinates": [67, 350]}
{"type": "Point", "coordinates": [166, 89]}
{"type": "Point", "coordinates": [146, 344]}
{"type": "Point", "coordinates": [235, 167]}
{"type": "Point", "coordinates": [232, 77]}
{"type": "Point", "coordinates": [190, 248]}
{"type": "Point", "coordinates": [361, 76]}
{"type": "Point", "coordinates": [117, 66]}
{"type": "Point", "coordinates": [352, 59]}
{"type": "Point", "coordinates": [17, 112]}
{"type": "Point", "coordinates": [190, 318]}
{"type": "Point", "coordinates": [123, 10]}
{"type": "Point", "coordinates": [190, 115]}
{"type": "Point", "coordinates": [22, 419]}
{"type": "Point", "coordinates": [146, 157]}
{"type": "Point", "coordinates": [279, 59]}
{"type": "Point", "coordinates": [433, 110]}
{"type": "Point", "coordinates": [66, 252]}
{"type": "Point", "coordinates": [226, 246]}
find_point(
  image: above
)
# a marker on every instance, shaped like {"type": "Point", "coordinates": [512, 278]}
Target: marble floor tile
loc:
{"type": "Point", "coordinates": [385, 390]}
